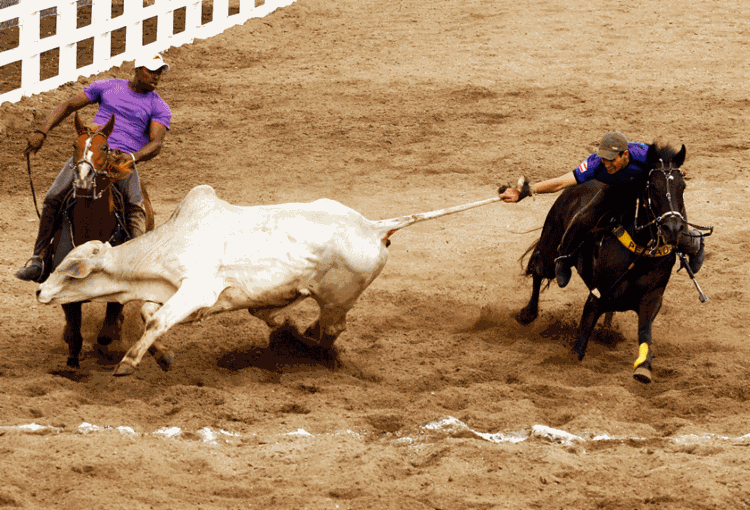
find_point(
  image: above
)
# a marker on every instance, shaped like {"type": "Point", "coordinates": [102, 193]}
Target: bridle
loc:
{"type": "Point", "coordinates": [659, 219]}
{"type": "Point", "coordinates": [86, 160]}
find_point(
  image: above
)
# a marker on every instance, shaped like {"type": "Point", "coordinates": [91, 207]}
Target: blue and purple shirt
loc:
{"type": "Point", "coordinates": [133, 112]}
{"type": "Point", "coordinates": [593, 168]}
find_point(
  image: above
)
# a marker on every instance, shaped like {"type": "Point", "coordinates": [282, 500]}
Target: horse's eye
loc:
{"type": "Point", "coordinates": [105, 148]}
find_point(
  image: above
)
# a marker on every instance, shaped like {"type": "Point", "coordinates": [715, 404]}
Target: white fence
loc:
{"type": "Point", "coordinates": [27, 16]}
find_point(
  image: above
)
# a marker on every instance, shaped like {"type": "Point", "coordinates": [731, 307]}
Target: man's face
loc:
{"type": "Point", "coordinates": [148, 79]}
{"type": "Point", "coordinates": [615, 165]}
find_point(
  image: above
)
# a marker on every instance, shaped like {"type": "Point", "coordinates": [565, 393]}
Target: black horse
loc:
{"type": "Point", "coordinates": [628, 258]}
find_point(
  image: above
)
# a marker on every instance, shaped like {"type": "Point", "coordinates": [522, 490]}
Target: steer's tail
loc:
{"type": "Point", "coordinates": [388, 227]}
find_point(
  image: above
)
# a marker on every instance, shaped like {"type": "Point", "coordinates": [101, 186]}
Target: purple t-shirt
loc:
{"type": "Point", "coordinates": [133, 112]}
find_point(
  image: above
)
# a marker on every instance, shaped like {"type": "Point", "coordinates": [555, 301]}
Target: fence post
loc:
{"type": "Point", "coordinates": [101, 13]}
{"type": "Point", "coordinates": [222, 8]}
{"type": "Point", "coordinates": [134, 32]}
{"type": "Point", "coordinates": [67, 14]}
{"type": "Point", "coordinates": [193, 17]}
{"type": "Point", "coordinates": [28, 37]}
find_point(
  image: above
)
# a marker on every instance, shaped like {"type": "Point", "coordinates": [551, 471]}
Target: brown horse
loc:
{"type": "Point", "coordinates": [94, 210]}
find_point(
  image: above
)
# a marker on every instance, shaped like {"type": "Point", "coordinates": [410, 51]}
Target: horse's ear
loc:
{"type": "Point", "coordinates": [679, 159]}
{"type": "Point", "coordinates": [80, 128]}
{"type": "Point", "coordinates": [651, 157]}
{"type": "Point", "coordinates": [109, 126]}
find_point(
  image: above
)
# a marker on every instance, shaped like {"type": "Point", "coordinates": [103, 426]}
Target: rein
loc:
{"type": "Point", "coordinates": [31, 182]}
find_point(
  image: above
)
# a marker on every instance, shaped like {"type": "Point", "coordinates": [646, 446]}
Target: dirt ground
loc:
{"type": "Point", "coordinates": [437, 398]}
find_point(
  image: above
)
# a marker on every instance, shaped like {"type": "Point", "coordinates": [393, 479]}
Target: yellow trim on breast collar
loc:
{"type": "Point", "coordinates": [622, 235]}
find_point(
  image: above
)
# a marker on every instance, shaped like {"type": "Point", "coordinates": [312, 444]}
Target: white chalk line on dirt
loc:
{"type": "Point", "coordinates": [446, 427]}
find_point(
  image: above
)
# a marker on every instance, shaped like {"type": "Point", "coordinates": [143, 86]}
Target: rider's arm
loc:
{"type": "Point", "coordinates": [60, 113]}
{"type": "Point", "coordinates": [549, 186]}
{"type": "Point", "coordinates": [557, 184]}
{"type": "Point", "coordinates": [156, 133]}
{"type": "Point", "coordinates": [56, 116]}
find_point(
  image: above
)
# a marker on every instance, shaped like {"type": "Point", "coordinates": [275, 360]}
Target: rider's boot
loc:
{"type": "Point", "coordinates": [563, 272]}
{"type": "Point", "coordinates": [691, 244]}
{"type": "Point", "coordinates": [33, 271]}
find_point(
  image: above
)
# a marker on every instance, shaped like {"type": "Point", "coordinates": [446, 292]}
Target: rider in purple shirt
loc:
{"type": "Point", "coordinates": [616, 163]}
{"type": "Point", "coordinates": [141, 122]}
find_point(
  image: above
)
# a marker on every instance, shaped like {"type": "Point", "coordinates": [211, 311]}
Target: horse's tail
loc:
{"type": "Point", "coordinates": [529, 250]}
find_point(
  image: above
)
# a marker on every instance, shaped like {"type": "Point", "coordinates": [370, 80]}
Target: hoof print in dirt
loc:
{"type": "Point", "coordinates": [72, 374]}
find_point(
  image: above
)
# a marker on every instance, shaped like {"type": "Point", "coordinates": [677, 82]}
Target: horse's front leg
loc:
{"type": "Point", "coordinates": [646, 314]}
{"type": "Point", "coordinates": [72, 333]}
{"type": "Point", "coordinates": [530, 312]}
{"type": "Point", "coordinates": [591, 313]}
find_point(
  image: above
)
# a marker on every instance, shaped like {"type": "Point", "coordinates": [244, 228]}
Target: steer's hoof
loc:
{"type": "Point", "coordinates": [165, 360]}
{"type": "Point", "coordinates": [73, 363]}
{"type": "Point", "coordinates": [642, 375]}
{"type": "Point", "coordinates": [123, 369]}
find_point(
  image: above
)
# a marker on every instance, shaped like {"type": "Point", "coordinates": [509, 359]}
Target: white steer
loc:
{"type": "Point", "coordinates": [212, 256]}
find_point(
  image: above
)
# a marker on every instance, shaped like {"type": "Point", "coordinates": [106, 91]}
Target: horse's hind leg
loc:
{"type": "Point", "coordinates": [591, 314]}
{"type": "Point", "coordinates": [108, 343]}
{"type": "Point", "coordinates": [529, 313]}
{"type": "Point", "coordinates": [72, 333]}
{"type": "Point", "coordinates": [112, 327]}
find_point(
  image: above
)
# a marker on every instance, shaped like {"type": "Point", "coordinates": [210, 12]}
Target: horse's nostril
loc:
{"type": "Point", "coordinates": [38, 292]}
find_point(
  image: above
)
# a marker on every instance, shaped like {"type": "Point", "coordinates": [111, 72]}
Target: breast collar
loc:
{"type": "Point", "coordinates": [648, 251]}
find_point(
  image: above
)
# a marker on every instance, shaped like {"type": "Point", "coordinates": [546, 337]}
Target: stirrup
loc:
{"type": "Point", "coordinates": [34, 262]}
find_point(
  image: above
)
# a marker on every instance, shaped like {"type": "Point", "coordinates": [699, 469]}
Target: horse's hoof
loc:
{"type": "Point", "coordinates": [642, 375]}
{"type": "Point", "coordinates": [123, 369]}
{"type": "Point", "coordinates": [525, 318]}
{"type": "Point", "coordinates": [577, 355]}
{"type": "Point", "coordinates": [104, 340]}
{"type": "Point", "coordinates": [73, 363]}
{"type": "Point", "coordinates": [165, 360]}
{"type": "Point", "coordinates": [110, 353]}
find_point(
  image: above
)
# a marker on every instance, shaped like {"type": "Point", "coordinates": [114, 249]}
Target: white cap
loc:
{"type": "Point", "coordinates": [152, 62]}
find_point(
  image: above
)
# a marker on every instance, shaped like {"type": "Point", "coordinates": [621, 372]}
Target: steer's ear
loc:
{"type": "Point", "coordinates": [76, 268]}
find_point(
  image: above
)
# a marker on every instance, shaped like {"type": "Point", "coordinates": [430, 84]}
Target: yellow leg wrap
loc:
{"type": "Point", "coordinates": [642, 354]}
